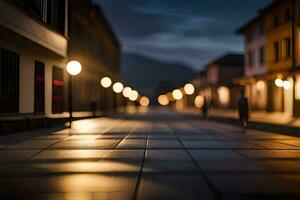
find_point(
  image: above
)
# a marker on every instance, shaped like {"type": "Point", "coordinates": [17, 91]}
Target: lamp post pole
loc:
{"type": "Point", "coordinates": [73, 68]}
{"type": "Point", "coordinates": [70, 100]}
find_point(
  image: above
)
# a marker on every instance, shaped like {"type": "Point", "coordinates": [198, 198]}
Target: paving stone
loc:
{"type": "Point", "coordinates": [108, 187]}
{"type": "Point", "coordinates": [86, 144]}
{"type": "Point", "coordinates": [49, 155]}
{"type": "Point", "coordinates": [32, 144]}
{"type": "Point", "coordinates": [215, 155]}
{"type": "Point", "coordinates": [132, 143]}
{"type": "Point", "coordinates": [161, 144]}
{"type": "Point", "coordinates": [204, 144]}
{"type": "Point", "coordinates": [257, 184]}
{"type": "Point", "coordinates": [271, 154]}
{"type": "Point", "coordinates": [177, 187]}
{"type": "Point", "coordinates": [7, 156]}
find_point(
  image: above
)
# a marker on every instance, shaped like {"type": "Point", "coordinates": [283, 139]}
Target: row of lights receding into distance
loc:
{"type": "Point", "coordinates": [127, 92]}
{"type": "Point", "coordinates": [74, 68]}
{"type": "Point", "coordinates": [176, 94]}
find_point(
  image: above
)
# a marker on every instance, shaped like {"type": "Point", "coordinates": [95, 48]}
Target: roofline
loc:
{"type": "Point", "coordinates": [260, 14]}
{"type": "Point", "coordinates": [215, 61]}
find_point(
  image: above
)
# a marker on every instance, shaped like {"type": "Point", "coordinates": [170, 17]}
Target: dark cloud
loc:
{"type": "Point", "coordinates": [188, 31]}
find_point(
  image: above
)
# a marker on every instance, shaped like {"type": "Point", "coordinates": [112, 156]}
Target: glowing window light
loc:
{"type": "Point", "coordinates": [287, 85]}
{"type": "Point", "coordinates": [134, 95]}
{"type": "Point", "coordinates": [177, 94]}
{"type": "Point", "coordinates": [260, 85]}
{"type": "Point", "coordinates": [199, 101]}
{"type": "Point", "coordinates": [74, 67]}
{"type": "Point", "coordinates": [297, 87]}
{"type": "Point", "coordinates": [189, 89]}
{"type": "Point", "coordinates": [224, 95]}
{"type": "Point", "coordinates": [279, 82]}
{"type": "Point", "coordinates": [106, 82]}
{"type": "Point", "coordinates": [118, 87]}
{"type": "Point", "coordinates": [163, 100]}
{"type": "Point", "coordinates": [127, 91]}
{"type": "Point", "coordinates": [144, 101]}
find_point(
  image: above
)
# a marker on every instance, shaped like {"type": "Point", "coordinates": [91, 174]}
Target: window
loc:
{"type": "Point", "coordinates": [39, 87]}
{"type": "Point", "coordinates": [250, 59]}
{"type": "Point", "coordinates": [276, 21]}
{"type": "Point", "coordinates": [9, 81]}
{"type": "Point", "coordinates": [287, 15]}
{"type": "Point", "coordinates": [276, 52]}
{"type": "Point", "coordinates": [262, 55]}
{"type": "Point", "coordinates": [287, 45]}
{"type": "Point", "coordinates": [57, 90]}
{"type": "Point", "coordinates": [51, 12]}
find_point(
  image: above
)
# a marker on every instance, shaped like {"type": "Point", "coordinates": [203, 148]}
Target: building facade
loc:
{"type": "Point", "coordinates": [33, 54]}
{"type": "Point", "coordinates": [93, 43]}
{"type": "Point", "coordinates": [215, 82]}
{"type": "Point", "coordinates": [275, 51]}
{"type": "Point", "coordinates": [38, 38]}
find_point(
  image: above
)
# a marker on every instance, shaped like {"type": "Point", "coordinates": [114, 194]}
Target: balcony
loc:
{"type": "Point", "coordinates": [27, 24]}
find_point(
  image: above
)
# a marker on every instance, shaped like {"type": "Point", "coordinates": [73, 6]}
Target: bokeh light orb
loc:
{"type": "Point", "coordinates": [199, 101]}
{"type": "Point", "coordinates": [126, 92]}
{"type": "Point", "coordinates": [260, 85]}
{"type": "Point", "coordinates": [134, 95]}
{"type": "Point", "coordinates": [144, 101]}
{"type": "Point", "coordinates": [118, 87]}
{"type": "Point", "coordinates": [189, 89]}
{"type": "Point", "coordinates": [287, 85]}
{"type": "Point", "coordinates": [163, 100]}
{"type": "Point", "coordinates": [106, 82]}
{"type": "Point", "coordinates": [279, 82]}
{"type": "Point", "coordinates": [177, 94]}
{"type": "Point", "coordinates": [74, 67]}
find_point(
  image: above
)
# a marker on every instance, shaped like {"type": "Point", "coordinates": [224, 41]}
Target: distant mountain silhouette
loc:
{"type": "Point", "coordinates": [148, 75]}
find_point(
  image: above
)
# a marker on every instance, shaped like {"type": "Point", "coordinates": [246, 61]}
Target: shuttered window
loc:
{"type": "Point", "coordinates": [9, 81]}
{"type": "Point", "coordinates": [51, 12]}
{"type": "Point", "coordinates": [57, 90]}
{"type": "Point", "coordinates": [39, 87]}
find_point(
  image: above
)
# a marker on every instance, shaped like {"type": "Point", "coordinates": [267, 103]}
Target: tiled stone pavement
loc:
{"type": "Point", "coordinates": [158, 155]}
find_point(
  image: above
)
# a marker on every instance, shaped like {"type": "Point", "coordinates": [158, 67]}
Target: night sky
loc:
{"type": "Point", "coordinates": [191, 32]}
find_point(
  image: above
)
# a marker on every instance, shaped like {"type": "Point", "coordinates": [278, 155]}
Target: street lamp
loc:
{"type": "Point", "coordinates": [73, 68]}
{"type": "Point", "coordinates": [177, 94]}
{"type": "Point", "coordinates": [134, 95]}
{"type": "Point", "coordinates": [144, 101]}
{"type": "Point", "coordinates": [105, 82]}
{"type": "Point", "coordinates": [189, 89]}
{"type": "Point", "coordinates": [126, 92]}
{"type": "Point", "coordinates": [118, 87]}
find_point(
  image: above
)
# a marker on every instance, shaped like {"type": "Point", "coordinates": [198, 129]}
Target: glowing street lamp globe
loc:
{"type": "Point", "coordinates": [144, 101]}
{"type": "Point", "coordinates": [134, 95]}
{"type": "Point", "coordinates": [177, 94]}
{"type": "Point", "coordinates": [126, 92]}
{"type": "Point", "coordinates": [163, 100]}
{"type": "Point", "coordinates": [189, 89]}
{"type": "Point", "coordinates": [118, 87]}
{"type": "Point", "coordinates": [74, 67]}
{"type": "Point", "coordinates": [106, 82]}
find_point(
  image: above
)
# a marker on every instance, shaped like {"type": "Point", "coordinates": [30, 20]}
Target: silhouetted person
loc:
{"type": "Point", "coordinates": [204, 108]}
{"type": "Point", "coordinates": [243, 108]}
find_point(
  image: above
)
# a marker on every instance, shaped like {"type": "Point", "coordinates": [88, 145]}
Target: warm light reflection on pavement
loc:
{"type": "Point", "coordinates": [149, 154]}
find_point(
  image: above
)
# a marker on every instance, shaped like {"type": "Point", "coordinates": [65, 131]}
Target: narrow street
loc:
{"type": "Point", "coordinates": [155, 155]}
